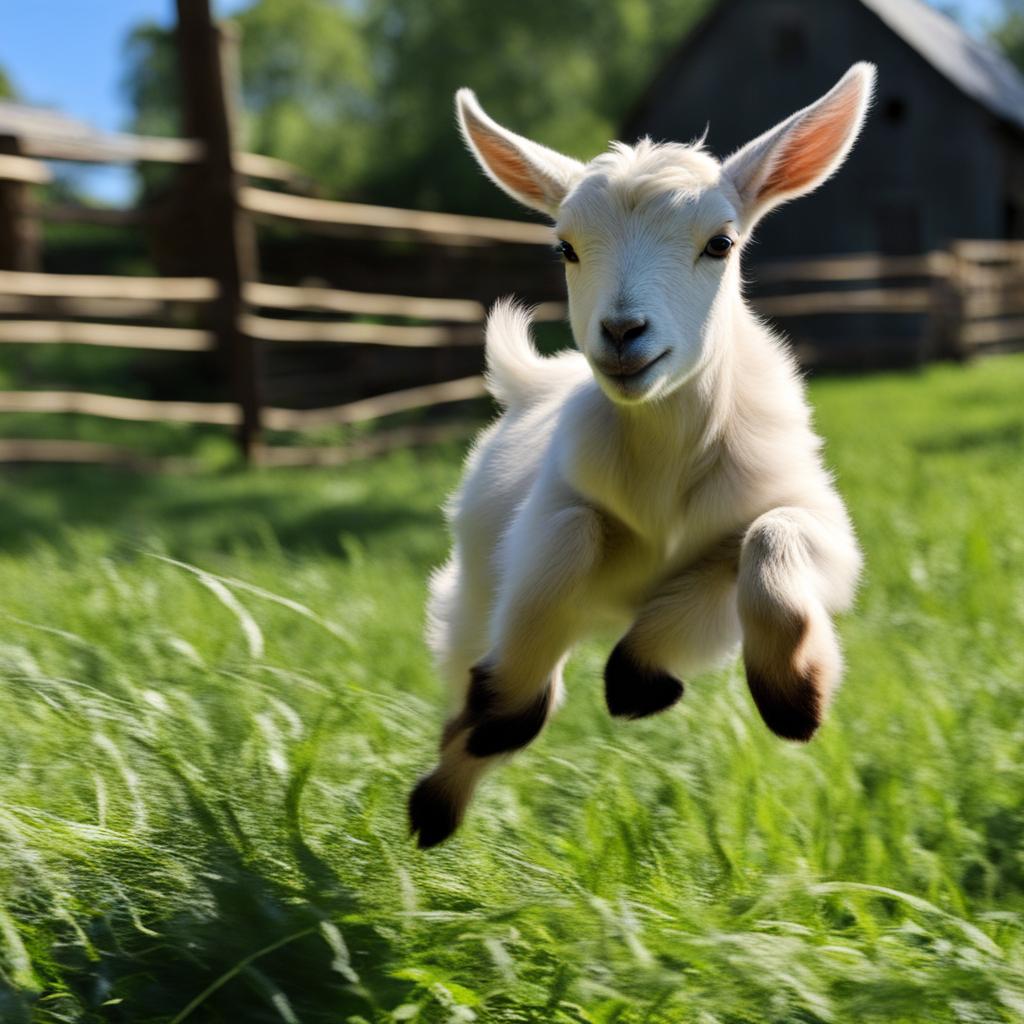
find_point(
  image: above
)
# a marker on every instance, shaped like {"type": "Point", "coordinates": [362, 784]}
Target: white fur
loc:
{"type": "Point", "coordinates": [689, 503]}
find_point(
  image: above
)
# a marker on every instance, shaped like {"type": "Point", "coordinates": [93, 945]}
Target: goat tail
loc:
{"type": "Point", "coordinates": [515, 368]}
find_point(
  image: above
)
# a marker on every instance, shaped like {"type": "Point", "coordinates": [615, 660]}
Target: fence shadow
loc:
{"type": "Point", "coordinates": [195, 516]}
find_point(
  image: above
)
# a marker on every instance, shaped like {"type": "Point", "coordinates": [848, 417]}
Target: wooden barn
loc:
{"type": "Point", "coordinates": [942, 156]}
{"type": "Point", "coordinates": [940, 161]}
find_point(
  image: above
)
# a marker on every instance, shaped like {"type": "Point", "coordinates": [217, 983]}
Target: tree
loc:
{"type": "Point", "coordinates": [564, 73]}
{"type": "Point", "coordinates": [359, 92]}
{"type": "Point", "coordinates": [7, 90]}
{"type": "Point", "coordinates": [1009, 31]}
{"type": "Point", "coordinates": [305, 85]}
{"type": "Point", "coordinates": [150, 81]}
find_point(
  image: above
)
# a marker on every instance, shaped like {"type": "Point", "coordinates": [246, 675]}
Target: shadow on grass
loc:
{"type": "Point", "coordinates": [1006, 435]}
{"type": "Point", "coordinates": [260, 951]}
{"type": "Point", "coordinates": [195, 515]}
{"type": "Point", "coordinates": [261, 944]}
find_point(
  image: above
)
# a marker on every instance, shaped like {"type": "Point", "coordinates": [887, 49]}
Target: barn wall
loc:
{"type": "Point", "coordinates": [924, 172]}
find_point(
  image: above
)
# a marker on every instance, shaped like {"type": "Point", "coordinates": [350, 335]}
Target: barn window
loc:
{"type": "Point", "coordinates": [790, 43]}
{"type": "Point", "coordinates": [895, 109]}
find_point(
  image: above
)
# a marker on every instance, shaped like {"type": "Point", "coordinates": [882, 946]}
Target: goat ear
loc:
{"type": "Point", "coordinates": [803, 151]}
{"type": "Point", "coordinates": [535, 175]}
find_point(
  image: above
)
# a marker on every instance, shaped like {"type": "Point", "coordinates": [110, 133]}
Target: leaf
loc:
{"type": "Point", "coordinates": [342, 962]}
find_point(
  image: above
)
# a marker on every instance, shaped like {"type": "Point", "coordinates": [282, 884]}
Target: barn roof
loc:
{"type": "Point", "coordinates": [975, 68]}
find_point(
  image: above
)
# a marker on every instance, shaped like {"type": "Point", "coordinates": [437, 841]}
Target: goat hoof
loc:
{"type": "Point", "coordinates": [502, 734]}
{"type": "Point", "coordinates": [632, 690]}
{"type": "Point", "coordinates": [433, 814]}
{"type": "Point", "coordinates": [793, 711]}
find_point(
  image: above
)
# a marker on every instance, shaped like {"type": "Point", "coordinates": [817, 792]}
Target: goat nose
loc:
{"type": "Point", "coordinates": [621, 333]}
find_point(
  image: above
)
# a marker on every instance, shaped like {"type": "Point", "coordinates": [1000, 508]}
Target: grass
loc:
{"type": "Point", "coordinates": [215, 698]}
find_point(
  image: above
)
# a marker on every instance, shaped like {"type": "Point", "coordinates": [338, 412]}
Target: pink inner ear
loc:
{"type": "Point", "coordinates": [812, 146]}
{"type": "Point", "coordinates": [507, 164]}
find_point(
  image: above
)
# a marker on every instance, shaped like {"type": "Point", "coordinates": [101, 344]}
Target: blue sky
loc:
{"type": "Point", "coordinates": [68, 54]}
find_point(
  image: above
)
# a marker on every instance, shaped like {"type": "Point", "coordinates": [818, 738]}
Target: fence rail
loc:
{"type": "Point", "coordinates": [968, 299]}
{"type": "Point", "coordinates": [228, 414]}
{"type": "Point", "coordinates": [320, 214]}
{"type": "Point", "coordinates": [132, 149]}
{"type": "Point", "coordinates": [23, 171]}
{"type": "Point", "coordinates": [859, 267]}
{"type": "Point", "coordinates": [76, 332]}
{"type": "Point", "coordinates": [92, 286]}
{"type": "Point", "coordinates": [868, 300]}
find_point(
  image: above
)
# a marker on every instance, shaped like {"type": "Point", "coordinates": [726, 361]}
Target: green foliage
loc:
{"type": "Point", "coordinates": [215, 698]}
{"type": "Point", "coordinates": [7, 90]}
{"type": "Point", "coordinates": [1008, 32]}
{"type": "Point", "coordinates": [151, 81]}
{"type": "Point", "coordinates": [305, 83]}
{"type": "Point", "coordinates": [360, 94]}
{"type": "Point", "coordinates": [562, 73]}
{"type": "Point", "coordinates": [307, 86]}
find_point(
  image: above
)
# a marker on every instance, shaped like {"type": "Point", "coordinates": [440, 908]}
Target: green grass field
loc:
{"type": "Point", "coordinates": [215, 697]}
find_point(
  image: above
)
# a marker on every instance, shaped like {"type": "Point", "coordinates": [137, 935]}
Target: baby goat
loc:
{"type": "Point", "coordinates": [665, 476]}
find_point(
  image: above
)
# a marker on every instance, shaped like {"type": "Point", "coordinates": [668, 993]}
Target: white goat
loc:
{"type": "Point", "coordinates": [666, 476]}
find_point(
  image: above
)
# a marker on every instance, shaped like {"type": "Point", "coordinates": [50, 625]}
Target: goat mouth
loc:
{"type": "Point", "coordinates": [629, 372]}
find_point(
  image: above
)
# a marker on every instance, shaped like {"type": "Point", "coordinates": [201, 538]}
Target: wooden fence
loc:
{"type": "Point", "coordinates": [957, 303]}
{"type": "Point", "coordinates": [237, 311]}
{"type": "Point", "coordinates": [904, 310]}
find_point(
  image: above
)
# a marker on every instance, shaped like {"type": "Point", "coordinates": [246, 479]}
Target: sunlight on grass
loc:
{"type": "Point", "coordinates": [215, 698]}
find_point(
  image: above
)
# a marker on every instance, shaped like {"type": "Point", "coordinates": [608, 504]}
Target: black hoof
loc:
{"type": "Point", "coordinates": [433, 816]}
{"type": "Point", "coordinates": [632, 690]}
{"type": "Point", "coordinates": [793, 712]}
{"type": "Point", "coordinates": [502, 734]}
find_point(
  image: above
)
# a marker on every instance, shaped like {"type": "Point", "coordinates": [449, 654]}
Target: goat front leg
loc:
{"type": "Point", "coordinates": [796, 566]}
{"type": "Point", "coordinates": [687, 625]}
{"type": "Point", "coordinates": [545, 561]}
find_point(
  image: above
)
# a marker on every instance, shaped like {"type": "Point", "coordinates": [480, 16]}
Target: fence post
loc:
{"type": "Point", "coordinates": [940, 337]}
{"type": "Point", "coordinates": [226, 243]}
{"type": "Point", "coordinates": [20, 247]}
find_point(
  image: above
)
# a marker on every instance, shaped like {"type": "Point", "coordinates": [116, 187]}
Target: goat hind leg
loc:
{"type": "Point", "coordinates": [515, 686]}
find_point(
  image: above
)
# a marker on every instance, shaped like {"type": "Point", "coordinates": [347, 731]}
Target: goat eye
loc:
{"type": "Point", "coordinates": [718, 247]}
{"type": "Point", "coordinates": [567, 252]}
